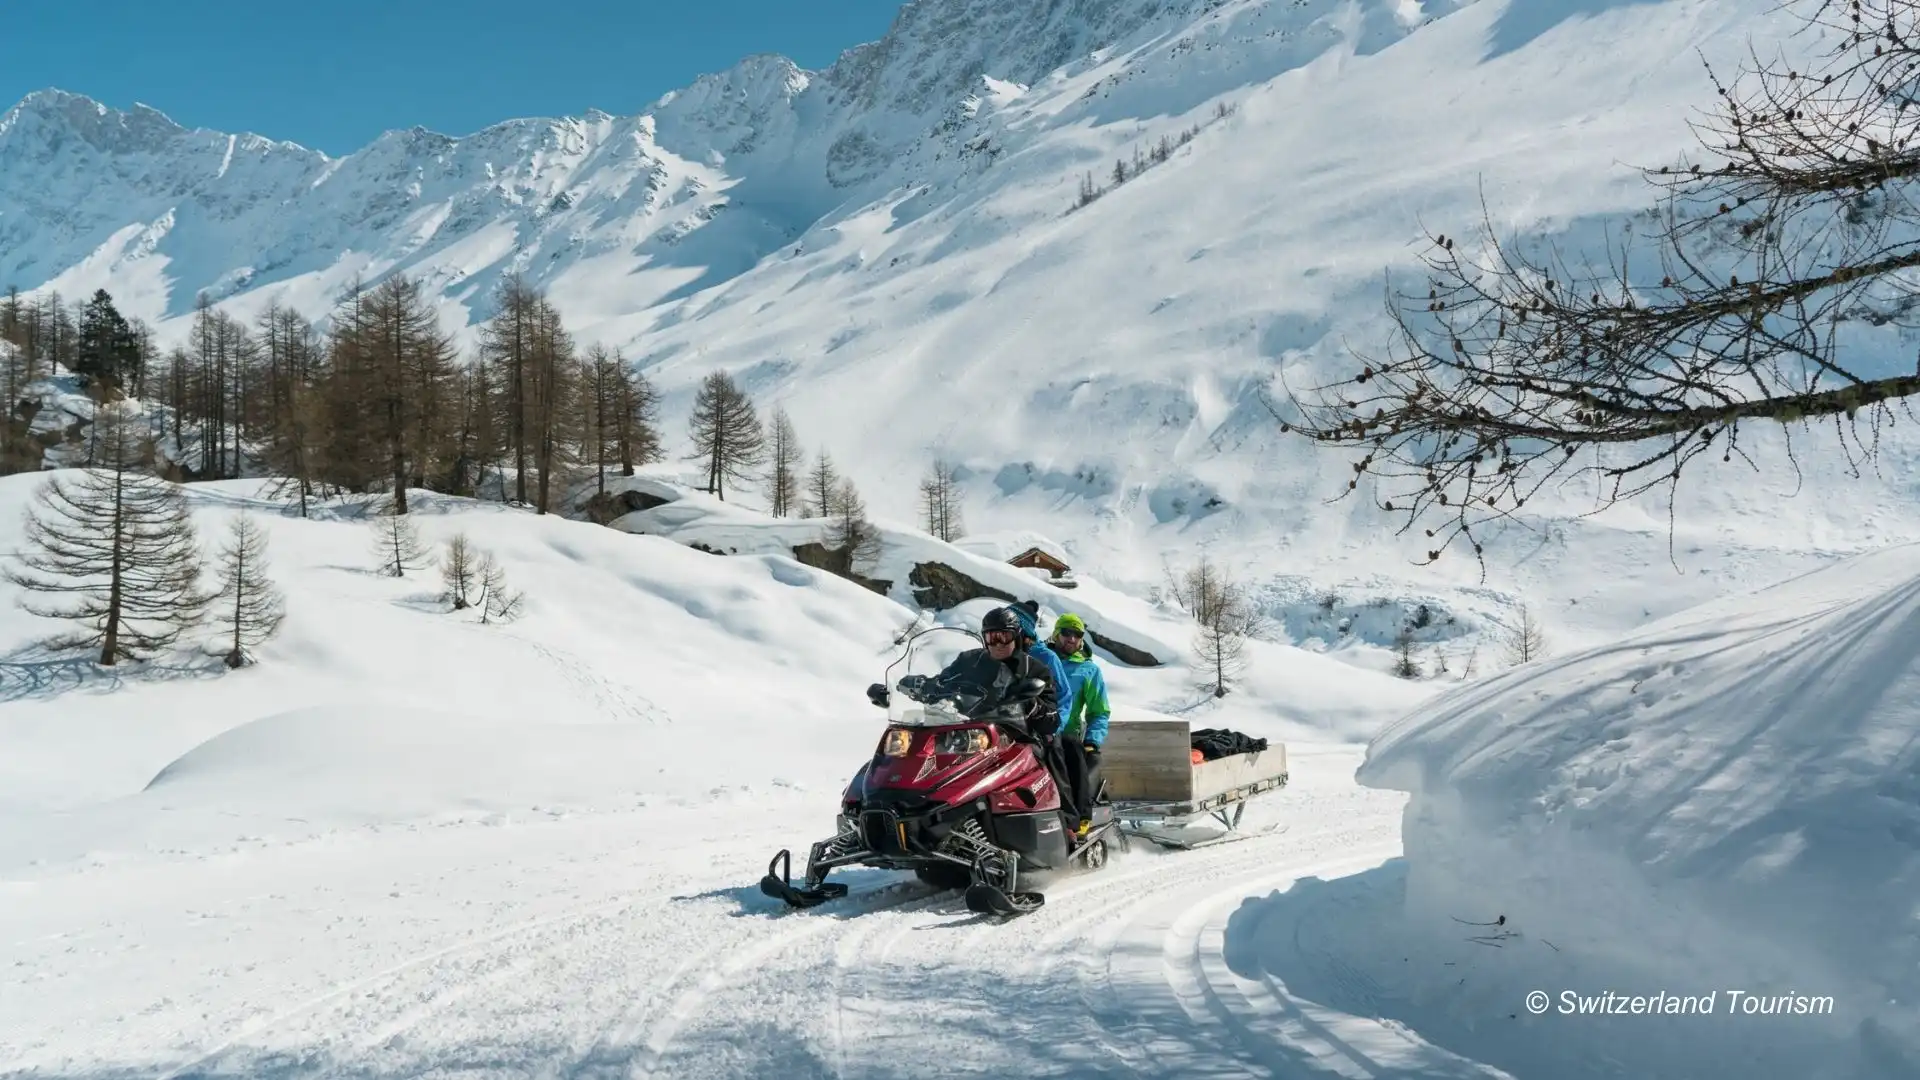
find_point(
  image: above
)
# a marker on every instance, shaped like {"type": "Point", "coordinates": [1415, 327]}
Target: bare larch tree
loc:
{"type": "Point", "coordinates": [114, 548]}
{"type": "Point", "coordinates": [638, 419]}
{"type": "Point", "coordinates": [600, 411]}
{"type": "Point", "coordinates": [726, 432]}
{"type": "Point", "coordinates": [396, 543]}
{"type": "Point", "coordinates": [411, 363]}
{"type": "Point", "coordinates": [250, 608]}
{"type": "Point", "coordinates": [498, 603]}
{"type": "Point", "coordinates": [940, 501]}
{"type": "Point", "coordinates": [553, 385]}
{"type": "Point", "coordinates": [1799, 228]}
{"type": "Point", "coordinates": [1525, 640]}
{"type": "Point", "coordinates": [460, 570]}
{"type": "Point", "coordinates": [823, 486]}
{"type": "Point", "coordinates": [854, 539]}
{"type": "Point", "coordinates": [1226, 616]}
{"type": "Point", "coordinates": [783, 483]}
{"type": "Point", "coordinates": [507, 345]}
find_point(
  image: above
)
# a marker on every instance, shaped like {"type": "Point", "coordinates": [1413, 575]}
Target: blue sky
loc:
{"type": "Point", "coordinates": [333, 75]}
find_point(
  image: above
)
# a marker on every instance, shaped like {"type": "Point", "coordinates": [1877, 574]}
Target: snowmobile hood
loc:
{"type": "Point", "coordinates": [944, 764]}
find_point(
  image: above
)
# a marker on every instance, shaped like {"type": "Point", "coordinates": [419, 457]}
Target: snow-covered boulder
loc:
{"type": "Point", "coordinates": [1728, 800]}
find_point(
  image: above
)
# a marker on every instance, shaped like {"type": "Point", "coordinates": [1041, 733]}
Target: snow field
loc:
{"type": "Point", "coordinates": [407, 841]}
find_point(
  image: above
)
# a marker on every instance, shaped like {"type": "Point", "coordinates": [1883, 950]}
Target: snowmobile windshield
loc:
{"type": "Point", "coordinates": [925, 693]}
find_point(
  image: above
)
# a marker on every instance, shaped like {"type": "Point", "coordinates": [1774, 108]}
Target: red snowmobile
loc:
{"type": "Point", "coordinates": [958, 791]}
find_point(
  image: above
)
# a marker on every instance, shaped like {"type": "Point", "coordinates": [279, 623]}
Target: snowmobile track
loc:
{"type": "Point", "coordinates": [1264, 1027]}
{"type": "Point", "coordinates": [866, 986]}
{"type": "Point", "coordinates": [723, 965]}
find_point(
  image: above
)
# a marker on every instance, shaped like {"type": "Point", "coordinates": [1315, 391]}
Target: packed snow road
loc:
{"type": "Point", "coordinates": [636, 944]}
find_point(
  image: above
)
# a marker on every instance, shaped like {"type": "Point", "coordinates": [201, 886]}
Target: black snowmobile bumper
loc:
{"type": "Point", "coordinates": [779, 884]}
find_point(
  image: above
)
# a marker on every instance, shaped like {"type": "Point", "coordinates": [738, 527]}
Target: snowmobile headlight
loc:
{"type": "Point", "coordinates": [896, 742]}
{"type": "Point", "coordinates": [966, 741]}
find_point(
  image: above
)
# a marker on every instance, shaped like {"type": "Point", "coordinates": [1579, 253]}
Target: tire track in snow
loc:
{"type": "Point", "coordinates": [653, 1031]}
{"type": "Point", "coordinates": [1194, 954]}
{"type": "Point", "coordinates": [1153, 958]}
{"type": "Point", "coordinates": [1022, 954]}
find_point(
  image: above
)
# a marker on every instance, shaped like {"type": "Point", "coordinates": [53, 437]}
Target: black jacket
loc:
{"type": "Point", "coordinates": [976, 669]}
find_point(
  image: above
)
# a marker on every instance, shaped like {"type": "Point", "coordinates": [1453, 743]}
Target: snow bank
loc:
{"type": "Point", "coordinates": [382, 764]}
{"type": "Point", "coordinates": [1726, 801]}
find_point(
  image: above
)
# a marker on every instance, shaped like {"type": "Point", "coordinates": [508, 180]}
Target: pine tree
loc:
{"type": "Point", "coordinates": [116, 546]}
{"type": "Point", "coordinates": [785, 480]}
{"type": "Point", "coordinates": [250, 607]}
{"type": "Point", "coordinates": [106, 352]}
{"type": "Point", "coordinates": [726, 432]}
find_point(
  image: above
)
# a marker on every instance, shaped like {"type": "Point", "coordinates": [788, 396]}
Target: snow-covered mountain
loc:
{"type": "Point", "coordinates": [889, 249]}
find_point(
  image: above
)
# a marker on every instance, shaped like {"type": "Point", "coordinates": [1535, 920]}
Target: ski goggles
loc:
{"type": "Point", "coordinates": [998, 637]}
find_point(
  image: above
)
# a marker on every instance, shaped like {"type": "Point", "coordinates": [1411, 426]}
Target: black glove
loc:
{"type": "Point", "coordinates": [1093, 752]}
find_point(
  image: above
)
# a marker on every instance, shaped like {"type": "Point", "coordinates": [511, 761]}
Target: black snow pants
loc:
{"type": "Point", "coordinates": [1081, 783]}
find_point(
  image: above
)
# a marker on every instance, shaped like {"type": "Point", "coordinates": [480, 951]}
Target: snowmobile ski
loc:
{"type": "Point", "coordinates": [779, 884]}
{"type": "Point", "coordinates": [985, 899]}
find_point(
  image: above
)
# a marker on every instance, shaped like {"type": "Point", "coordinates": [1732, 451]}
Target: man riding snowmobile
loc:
{"type": "Point", "coordinates": [1001, 629]}
{"type": "Point", "coordinates": [965, 787]}
{"type": "Point", "coordinates": [1008, 632]}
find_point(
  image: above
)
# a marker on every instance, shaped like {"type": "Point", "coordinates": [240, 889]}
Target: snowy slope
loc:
{"type": "Point", "coordinates": [884, 247]}
{"type": "Point", "coordinates": [1722, 802]}
{"type": "Point", "coordinates": [1293, 692]}
{"type": "Point", "coordinates": [409, 843]}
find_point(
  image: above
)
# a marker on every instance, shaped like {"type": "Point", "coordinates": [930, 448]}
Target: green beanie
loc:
{"type": "Point", "coordinates": [1069, 621]}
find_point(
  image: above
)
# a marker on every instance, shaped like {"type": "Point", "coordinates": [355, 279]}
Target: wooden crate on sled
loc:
{"type": "Point", "coordinates": [1157, 787]}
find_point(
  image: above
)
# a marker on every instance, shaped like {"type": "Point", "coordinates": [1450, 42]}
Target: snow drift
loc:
{"type": "Point", "coordinates": [1727, 800]}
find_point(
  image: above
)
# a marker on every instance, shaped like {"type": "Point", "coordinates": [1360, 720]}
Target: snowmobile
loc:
{"type": "Point", "coordinates": [958, 791]}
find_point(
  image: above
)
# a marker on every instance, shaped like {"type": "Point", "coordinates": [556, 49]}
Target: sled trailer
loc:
{"type": "Point", "coordinates": [1160, 793]}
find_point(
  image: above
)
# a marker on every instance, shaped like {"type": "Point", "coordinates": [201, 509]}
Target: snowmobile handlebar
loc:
{"type": "Point", "coordinates": [971, 702]}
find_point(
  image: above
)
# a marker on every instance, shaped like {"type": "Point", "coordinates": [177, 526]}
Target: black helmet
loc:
{"type": "Point", "coordinates": [1000, 619]}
